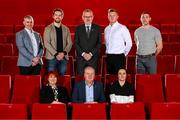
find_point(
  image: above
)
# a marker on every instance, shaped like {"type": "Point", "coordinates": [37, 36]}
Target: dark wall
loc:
{"type": "Point", "coordinates": [162, 11]}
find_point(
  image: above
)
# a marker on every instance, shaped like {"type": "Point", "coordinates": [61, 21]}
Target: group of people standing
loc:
{"type": "Point", "coordinates": [87, 43]}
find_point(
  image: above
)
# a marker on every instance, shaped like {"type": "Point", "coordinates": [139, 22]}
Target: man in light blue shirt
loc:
{"type": "Point", "coordinates": [88, 90]}
{"type": "Point", "coordinates": [89, 93]}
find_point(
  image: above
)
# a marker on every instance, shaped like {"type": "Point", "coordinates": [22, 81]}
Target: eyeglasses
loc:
{"type": "Point", "coordinates": [87, 16]}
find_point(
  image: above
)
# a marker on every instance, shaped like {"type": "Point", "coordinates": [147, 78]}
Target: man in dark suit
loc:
{"type": "Point", "coordinates": [87, 42]}
{"type": "Point", "coordinates": [30, 48]}
{"type": "Point", "coordinates": [88, 90]}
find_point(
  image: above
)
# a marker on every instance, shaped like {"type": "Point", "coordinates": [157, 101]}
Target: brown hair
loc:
{"type": "Point", "coordinates": [145, 12]}
{"type": "Point", "coordinates": [112, 10]}
{"type": "Point", "coordinates": [58, 9]}
{"type": "Point", "coordinates": [51, 73]}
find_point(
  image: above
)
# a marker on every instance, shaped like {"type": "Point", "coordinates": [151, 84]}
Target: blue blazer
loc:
{"type": "Point", "coordinates": [79, 93]}
{"type": "Point", "coordinates": [24, 45]}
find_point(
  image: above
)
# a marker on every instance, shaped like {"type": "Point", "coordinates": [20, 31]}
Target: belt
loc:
{"type": "Point", "coordinates": [146, 56]}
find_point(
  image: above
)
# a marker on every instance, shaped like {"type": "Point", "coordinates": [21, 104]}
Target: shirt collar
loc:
{"type": "Point", "coordinates": [29, 31]}
{"type": "Point", "coordinates": [90, 85]}
{"type": "Point", "coordinates": [115, 24]}
{"type": "Point", "coordinates": [88, 25]}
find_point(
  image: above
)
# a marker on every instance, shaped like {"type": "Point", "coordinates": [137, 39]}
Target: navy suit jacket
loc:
{"type": "Point", "coordinates": [79, 92]}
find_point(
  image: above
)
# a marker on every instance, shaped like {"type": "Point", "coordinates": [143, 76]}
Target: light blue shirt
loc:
{"type": "Point", "coordinates": [33, 40]}
{"type": "Point", "coordinates": [90, 93]}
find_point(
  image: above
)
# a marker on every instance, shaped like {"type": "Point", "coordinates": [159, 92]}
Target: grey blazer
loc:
{"type": "Point", "coordinates": [24, 45]}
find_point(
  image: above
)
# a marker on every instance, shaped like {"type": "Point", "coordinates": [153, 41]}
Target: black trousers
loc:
{"type": "Point", "coordinates": [115, 62]}
{"type": "Point", "coordinates": [81, 64]}
{"type": "Point", "coordinates": [31, 70]}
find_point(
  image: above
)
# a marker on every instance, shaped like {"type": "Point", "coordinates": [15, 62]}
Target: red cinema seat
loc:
{"type": "Point", "coordinates": [131, 64]}
{"type": "Point", "coordinates": [88, 111]}
{"type": "Point", "coordinates": [172, 84]}
{"type": "Point", "coordinates": [18, 28]}
{"type": "Point", "coordinates": [148, 88]}
{"type": "Point", "coordinates": [72, 52]}
{"type": "Point", "coordinates": [165, 111]}
{"type": "Point", "coordinates": [9, 65]}
{"type": "Point", "coordinates": [13, 111]}
{"type": "Point", "coordinates": [3, 38]}
{"type": "Point", "coordinates": [70, 66]}
{"type": "Point", "coordinates": [127, 111]}
{"type": "Point", "coordinates": [26, 89]}
{"type": "Point", "coordinates": [165, 64]}
{"type": "Point", "coordinates": [168, 28]}
{"type": "Point", "coordinates": [6, 49]}
{"type": "Point", "coordinates": [49, 111]}
{"type": "Point", "coordinates": [178, 28]}
{"type": "Point", "coordinates": [165, 37]}
{"type": "Point", "coordinates": [133, 27]}
{"type": "Point", "coordinates": [177, 64]}
{"type": "Point", "coordinates": [174, 37]}
{"type": "Point", "coordinates": [6, 29]}
{"type": "Point", "coordinates": [39, 29]}
{"type": "Point", "coordinates": [5, 88]}
{"type": "Point", "coordinates": [133, 50]}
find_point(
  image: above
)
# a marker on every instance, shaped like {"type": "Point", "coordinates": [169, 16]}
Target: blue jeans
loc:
{"type": "Point", "coordinates": [54, 64]}
{"type": "Point", "coordinates": [146, 65]}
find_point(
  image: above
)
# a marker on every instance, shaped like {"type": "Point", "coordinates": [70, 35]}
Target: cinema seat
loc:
{"type": "Point", "coordinates": [172, 84]}
{"type": "Point", "coordinates": [13, 111]}
{"type": "Point", "coordinates": [5, 88]}
{"type": "Point", "coordinates": [127, 111]}
{"type": "Point", "coordinates": [49, 111]}
{"type": "Point", "coordinates": [26, 89]}
{"type": "Point", "coordinates": [88, 111]}
{"type": "Point", "coordinates": [165, 111]}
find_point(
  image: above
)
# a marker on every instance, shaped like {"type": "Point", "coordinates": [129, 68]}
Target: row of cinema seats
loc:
{"type": "Point", "coordinates": [167, 38]}
{"type": "Point", "coordinates": [91, 111]}
{"type": "Point", "coordinates": [164, 28]}
{"type": "Point", "coordinates": [10, 49]}
{"type": "Point", "coordinates": [148, 88]}
{"type": "Point", "coordinates": [166, 64]}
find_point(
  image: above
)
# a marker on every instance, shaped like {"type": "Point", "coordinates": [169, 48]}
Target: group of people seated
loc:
{"type": "Point", "coordinates": [88, 90]}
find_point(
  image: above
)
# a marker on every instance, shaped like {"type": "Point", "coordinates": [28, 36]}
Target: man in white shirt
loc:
{"type": "Point", "coordinates": [30, 48]}
{"type": "Point", "coordinates": [118, 43]}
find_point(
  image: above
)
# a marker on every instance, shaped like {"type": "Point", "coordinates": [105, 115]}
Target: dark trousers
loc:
{"type": "Point", "coordinates": [82, 63]}
{"type": "Point", "coordinates": [115, 62]}
{"type": "Point", "coordinates": [31, 70]}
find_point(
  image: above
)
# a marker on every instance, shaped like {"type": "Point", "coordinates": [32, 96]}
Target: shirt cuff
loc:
{"type": "Point", "coordinates": [56, 54]}
{"type": "Point", "coordinates": [91, 54]}
{"type": "Point", "coordinates": [65, 53]}
{"type": "Point", "coordinates": [82, 54]}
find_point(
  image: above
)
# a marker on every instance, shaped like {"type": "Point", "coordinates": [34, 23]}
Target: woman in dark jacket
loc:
{"type": "Point", "coordinates": [52, 92]}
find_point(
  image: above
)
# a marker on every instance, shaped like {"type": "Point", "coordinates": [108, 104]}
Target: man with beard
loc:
{"type": "Point", "coordinates": [57, 41]}
{"type": "Point", "coordinates": [149, 44]}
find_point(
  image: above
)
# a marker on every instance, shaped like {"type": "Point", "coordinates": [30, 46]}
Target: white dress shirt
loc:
{"type": "Point", "coordinates": [117, 39]}
{"type": "Point", "coordinates": [33, 40]}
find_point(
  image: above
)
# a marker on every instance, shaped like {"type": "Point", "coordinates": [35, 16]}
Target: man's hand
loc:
{"type": "Point", "coordinates": [60, 56]}
{"type": "Point", "coordinates": [35, 61]}
{"type": "Point", "coordinates": [87, 56]}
